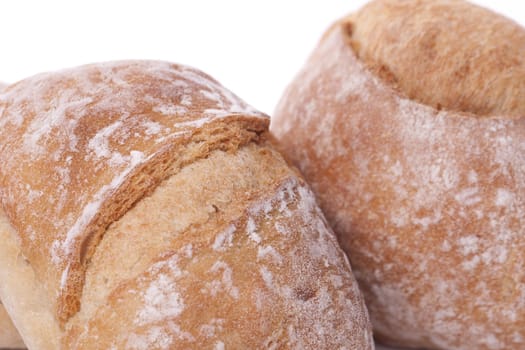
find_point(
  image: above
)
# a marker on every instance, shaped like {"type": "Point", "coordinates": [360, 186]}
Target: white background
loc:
{"type": "Point", "coordinates": [252, 47]}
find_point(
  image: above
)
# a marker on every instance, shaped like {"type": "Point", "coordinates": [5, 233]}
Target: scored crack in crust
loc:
{"type": "Point", "coordinates": [221, 245]}
{"type": "Point", "coordinates": [82, 149]}
{"type": "Point", "coordinates": [478, 58]}
{"type": "Point", "coordinates": [241, 273]}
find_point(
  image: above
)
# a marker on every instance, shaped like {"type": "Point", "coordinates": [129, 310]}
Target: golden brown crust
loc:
{"type": "Point", "coordinates": [231, 277]}
{"type": "Point", "coordinates": [429, 204]}
{"type": "Point", "coordinates": [447, 54]}
{"type": "Point", "coordinates": [68, 131]}
{"type": "Point", "coordinates": [208, 239]}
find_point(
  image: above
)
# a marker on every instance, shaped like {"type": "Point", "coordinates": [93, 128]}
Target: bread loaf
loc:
{"type": "Point", "coordinates": [145, 207]}
{"type": "Point", "coordinates": [9, 338]}
{"type": "Point", "coordinates": [408, 120]}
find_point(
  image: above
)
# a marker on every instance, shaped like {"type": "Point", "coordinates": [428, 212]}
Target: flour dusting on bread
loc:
{"type": "Point", "coordinates": [428, 203]}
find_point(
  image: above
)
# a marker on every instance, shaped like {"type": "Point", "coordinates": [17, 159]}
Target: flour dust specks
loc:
{"type": "Point", "coordinates": [161, 298]}
{"type": "Point", "coordinates": [90, 130]}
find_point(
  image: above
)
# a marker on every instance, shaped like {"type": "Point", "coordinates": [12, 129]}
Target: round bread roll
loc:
{"type": "Point", "coordinates": [408, 122]}
{"type": "Point", "coordinates": [145, 207]}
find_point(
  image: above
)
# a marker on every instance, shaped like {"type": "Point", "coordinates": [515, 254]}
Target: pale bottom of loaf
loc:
{"type": "Point", "coordinates": [9, 338]}
{"type": "Point", "coordinates": [21, 294]}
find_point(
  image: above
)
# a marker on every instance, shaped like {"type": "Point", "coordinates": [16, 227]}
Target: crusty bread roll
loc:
{"type": "Point", "coordinates": [409, 122]}
{"type": "Point", "coordinates": [9, 338]}
{"type": "Point", "coordinates": [146, 208]}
